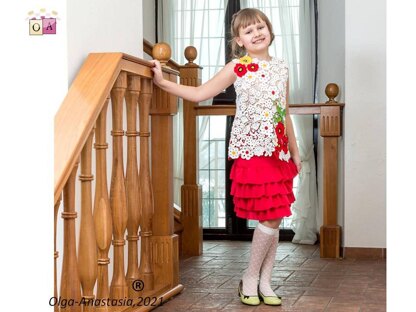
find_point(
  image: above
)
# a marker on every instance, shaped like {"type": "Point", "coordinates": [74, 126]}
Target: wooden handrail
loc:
{"type": "Point", "coordinates": [229, 110]}
{"type": "Point", "coordinates": [147, 47]}
{"type": "Point", "coordinates": [79, 111]}
{"type": "Point", "coordinates": [83, 103]}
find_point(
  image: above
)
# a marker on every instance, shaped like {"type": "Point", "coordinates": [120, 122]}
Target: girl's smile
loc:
{"type": "Point", "coordinates": [258, 41]}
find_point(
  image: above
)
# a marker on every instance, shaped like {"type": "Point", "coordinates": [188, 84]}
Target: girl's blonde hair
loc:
{"type": "Point", "coordinates": [242, 19]}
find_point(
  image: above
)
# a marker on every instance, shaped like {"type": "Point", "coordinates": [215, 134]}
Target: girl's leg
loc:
{"type": "Point", "coordinates": [262, 239]}
{"type": "Point", "coordinates": [269, 259]}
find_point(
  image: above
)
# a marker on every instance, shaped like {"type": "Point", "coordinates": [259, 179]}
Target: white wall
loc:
{"type": "Point", "coordinates": [34, 82]}
{"type": "Point", "coordinates": [103, 26]}
{"type": "Point", "coordinates": [149, 20]}
{"type": "Point", "coordinates": [352, 54]}
{"type": "Point", "coordinates": [331, 68]}
{"type": "Point", "coordinates": [365, 123]}
{"type": "Point", "coordinates": [149, 23]}
{"type": "Point", "coordinates": [100, 26]}
{"type": "Point", "coordinates": [331, 52]}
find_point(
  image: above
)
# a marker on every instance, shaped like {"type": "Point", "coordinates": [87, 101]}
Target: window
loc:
{"type": "Point", "coordinates": [212, 160]}
{"type": "Point", "coordinates": [201, 24]}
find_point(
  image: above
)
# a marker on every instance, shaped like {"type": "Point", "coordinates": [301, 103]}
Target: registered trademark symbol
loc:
{"type": "Point", "coordinates": [137, 285]}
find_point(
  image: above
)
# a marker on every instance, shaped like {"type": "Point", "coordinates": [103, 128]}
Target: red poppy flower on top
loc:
{"type": "Point", "coordinates": [240, 70]}
{"type": "Point", "coordinates": [280, 130]}
{"type": "Point", "coordinates": [253, 67]}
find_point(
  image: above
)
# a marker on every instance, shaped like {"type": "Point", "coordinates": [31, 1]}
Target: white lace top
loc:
{"type": "Point", "coordinates": [259, 124]}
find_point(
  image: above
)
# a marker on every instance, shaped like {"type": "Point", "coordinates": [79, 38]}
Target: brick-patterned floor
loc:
{"type": "Point", "coordinates": [305, 282]}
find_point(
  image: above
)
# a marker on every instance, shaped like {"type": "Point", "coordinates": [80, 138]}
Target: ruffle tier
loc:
{"type": "Point", "coordinates": [262, 187]}
{"type": "Point", "coordinates": [272, 213]}
{"type": "Point", "coordinates": [259, 190]}
{"type": "Point", "coordinates": [265, 202]}
{"type": "Point", "coordinates": [262, 169]}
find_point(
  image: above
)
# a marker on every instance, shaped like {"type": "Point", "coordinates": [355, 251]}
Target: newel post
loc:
{"type": "Point", "coordinates": [191, 192]}
{"type": "Point", "coordinates": [330, 130]}
{"type": "Point", "coordinates": [164, 242]}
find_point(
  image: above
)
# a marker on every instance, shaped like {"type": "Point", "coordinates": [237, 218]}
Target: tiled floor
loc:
{"type": "Point", "coordinates": [305, 282]}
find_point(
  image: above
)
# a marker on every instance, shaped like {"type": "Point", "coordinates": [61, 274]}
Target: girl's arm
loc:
{"type": "Point", "coordinates": [223, 79]}
{"type": "Point", "coordinates": [293, 146]}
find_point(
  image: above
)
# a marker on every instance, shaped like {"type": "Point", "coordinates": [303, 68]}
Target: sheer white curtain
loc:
{"type": "Point", "coordinates": [199, 23]}
{"type": "Point", "coordinates": [304, 221]}
{"type": "Point", "coordinates": [293, 22]}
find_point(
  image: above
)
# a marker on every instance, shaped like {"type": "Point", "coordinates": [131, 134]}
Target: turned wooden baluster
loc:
{"type": "Point", "coordinates": [132, 184]}
{"type": "Point", "coordinates": [146, 190]}
{"type": "Point", "coordinates": [70, 284]}
{"type": "Point", "coordinates": [87, 248]}
{"type": "Point", "coordinates": [56, 254]}
{"type": "Point", "coordinates": [102, 211]}
{"type": "Point", "coordinates": [118, 288]}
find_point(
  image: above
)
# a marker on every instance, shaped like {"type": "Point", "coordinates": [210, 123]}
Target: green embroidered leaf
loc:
{"type": "Point", "coordinates": [280, 114]}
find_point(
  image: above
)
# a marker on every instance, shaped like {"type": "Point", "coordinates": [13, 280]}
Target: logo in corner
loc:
{"type": "Point", "coordinates": [42, 22]}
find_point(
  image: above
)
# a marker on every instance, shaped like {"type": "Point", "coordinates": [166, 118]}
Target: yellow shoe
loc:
{"type": "Point", "coordinates": [270, 300]}
{"type": "Point", "coordinates": [249, 300]}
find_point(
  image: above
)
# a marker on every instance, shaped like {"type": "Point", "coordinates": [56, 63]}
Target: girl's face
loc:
{"type": "Point", "coordinates": [255, 38]}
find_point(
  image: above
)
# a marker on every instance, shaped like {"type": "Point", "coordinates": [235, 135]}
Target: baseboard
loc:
{"type": "Point", "coordinates": [364, 253]}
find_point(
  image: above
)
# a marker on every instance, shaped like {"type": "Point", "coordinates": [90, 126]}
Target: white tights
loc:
{"type": "Point", "coordinates": [262, 255]}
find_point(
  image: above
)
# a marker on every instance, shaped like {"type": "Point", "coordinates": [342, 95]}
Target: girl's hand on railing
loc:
{"type": "Point", "coordinates": [157, 70]}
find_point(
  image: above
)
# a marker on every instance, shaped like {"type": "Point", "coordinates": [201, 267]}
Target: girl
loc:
{"type": "Point", "coordinates": [262, 143]}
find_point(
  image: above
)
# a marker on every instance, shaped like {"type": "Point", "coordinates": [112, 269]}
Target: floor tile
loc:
{"type": "Point", "coordinates": [306, 282]}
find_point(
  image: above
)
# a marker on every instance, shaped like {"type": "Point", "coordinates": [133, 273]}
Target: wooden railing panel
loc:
{"type": "Point", "coordinates": [85, 107]}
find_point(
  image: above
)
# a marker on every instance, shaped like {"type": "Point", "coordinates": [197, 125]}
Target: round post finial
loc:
{"type": "Point", "coordinates": [162, 52]}
{"type": "Point", "coordinates": [331, 92]}
{"type": "Point", "coordinates": [190, 54]}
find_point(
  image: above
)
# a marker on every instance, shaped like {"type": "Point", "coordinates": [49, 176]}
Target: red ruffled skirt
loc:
{"type": "Point", "coordinates": [262, 187]}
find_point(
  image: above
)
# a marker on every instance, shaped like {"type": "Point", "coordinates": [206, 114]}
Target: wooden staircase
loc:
{"type": "Point", "coordinates": [125, 197]}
